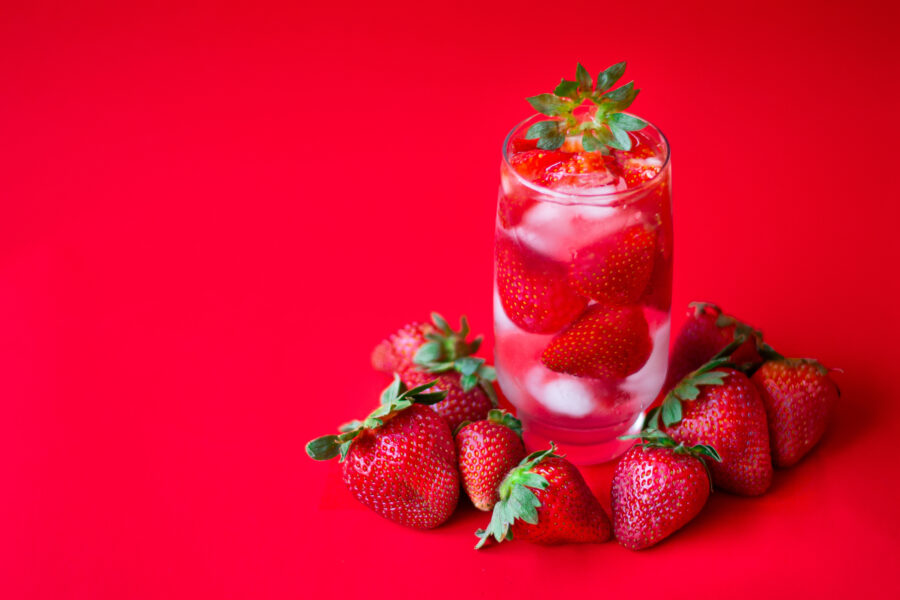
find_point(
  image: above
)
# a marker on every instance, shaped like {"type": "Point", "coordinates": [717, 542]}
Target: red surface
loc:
{"type": "Point", "coordinates": [211, 214]}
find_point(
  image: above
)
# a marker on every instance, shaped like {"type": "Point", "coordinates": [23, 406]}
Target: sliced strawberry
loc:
{"type": "Point", "coordinates": [616, 269]}
{"type": "Point", "coordinates": [533, 289]}
{"type": "Point", "coordinates": [605, 342]}
{"type": "Point", "coordinates": [534, 164]}
{"type": "Point", "coordinates": [638, 165]}
{"type": "Point", "coordinates": [583, 170]}
{"type": "Point", "coordinates": [523, 145]}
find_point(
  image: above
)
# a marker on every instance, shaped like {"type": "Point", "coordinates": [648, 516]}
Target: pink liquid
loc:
{"type": "Point", "coordinates": [549, 237]}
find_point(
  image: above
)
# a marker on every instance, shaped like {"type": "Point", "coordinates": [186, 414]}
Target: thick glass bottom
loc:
{"type": "Point", "coordinates": [580, 446]}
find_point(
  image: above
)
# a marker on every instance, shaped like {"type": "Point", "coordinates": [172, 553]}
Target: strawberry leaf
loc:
{"type": "Point", "coordinates": [608, 78]}
{"type": "Point", "coordinates": [626, 122]}
{"type": "Point", "coordinates": [501, 417]}
{"type": "Point", "coordinates": [548, 104]}
{"type": "Point", "coordinates": [621, 139]}
{"type": "Point", "coordinates": [585, 83]}
{"type": "Point", "coordinates": [517, 500]}
{"type": "Point", "coordinates": [566, 89]}
{"type": "Point", "coordinates": [671, 410]}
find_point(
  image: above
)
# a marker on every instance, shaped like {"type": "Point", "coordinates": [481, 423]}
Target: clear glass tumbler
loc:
{"type": "Point", "coordinates": [582, 289]}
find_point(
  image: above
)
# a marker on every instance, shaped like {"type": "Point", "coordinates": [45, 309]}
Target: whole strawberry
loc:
{"type": "Point", "coordinates": [657, 488]}
{"type": "Point", "coordinates": [462, 402]}
{"type": "Point", "coordinates": [798, 395]}
{"type": "Point", "coordinates": [487, 450]}
{"type": "Point", "coordinates": [400, 461]}
{"type": "Point", "coordinates": [420, 353]}
{"type": "Point", "coordinates": [608, 342]}
{"type": "Point", "coordinates": [546, 500]}
{"type": "Point", "coordinates": [617, 269]}
{"type": "Point", "coordinates": [533, 289]}
{"type": "Point", "coordinates": [399, 349]}
{"type": "Point", "coordinates": [707, 331]}
{"type": "Point", "coordinates": [719, 406]}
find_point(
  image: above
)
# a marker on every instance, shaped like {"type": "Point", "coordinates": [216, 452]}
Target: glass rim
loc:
{"type": "Point", "coordinates": [605, 195]}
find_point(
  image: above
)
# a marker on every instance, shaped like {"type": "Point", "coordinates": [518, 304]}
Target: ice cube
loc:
{"type": "Point", "coordinates": [557, 230]}
{"type": "Point", "coordinates": [561, 394]}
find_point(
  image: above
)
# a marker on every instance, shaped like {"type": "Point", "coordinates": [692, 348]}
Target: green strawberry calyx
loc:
{"type": "Point", "coordinates": [448, 350]}
{"type": "Point", "coordinates": [395, 398]}
{"type": "Point", "coordinates": [606, 128]}
{"type": "Point", "coordinates": [654, 438]}
{"type": "Point", "coordinates": [500, 417]}
{"type": "Point", "coordinates": [517, 501]}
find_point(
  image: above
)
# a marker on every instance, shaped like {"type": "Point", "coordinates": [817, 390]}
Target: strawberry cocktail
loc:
{"type": "Point", "coordinates": [583, 267]}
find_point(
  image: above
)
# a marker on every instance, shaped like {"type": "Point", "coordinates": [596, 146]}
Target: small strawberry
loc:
{"type": "Point", "coordinates": [719, 406]}
{"type": "Point", "coordinates": [658, 487]}
{"type": "Point", "coordinates": [400, 461]}
{"type": "Point", "coordinates": [488, 449]}
{"type": "Point", "coordinates": [546, 500]}
{"type": "Point", "coordinates": [616, 269]}
{"type": "Point", "coordinates": [605, 342]}
{"type": "Point", "coordinates": [706, 331]}
{"type": "Point", "coordinates": [533, 289]}
{"type": "Point", "coordinates": [466, 379]}
{"type": "Point", "coordinates": [399, 350]}
{"type": "Point", "coordinates": [798, 395]}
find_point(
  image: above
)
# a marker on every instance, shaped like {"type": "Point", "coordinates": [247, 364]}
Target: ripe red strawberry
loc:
{"type": "Point", "coordinates": [719, 406]}
{"type": "Point", "coordinates": [398, 350]}
{"type": "Point", "coordinates": [707, 331]}
{"type": "Point", "coordinates": [400, 461]}
{"type": "Point", "coordinates": [798, 395]}
{"type": "Point", "coordinates": [488, 449]}
{"type": "Point", "coordinates": [658, 487]}
{"type": "Point", "coordinates": [546, 500]}
{"type": "Point", "coordinates": [638, 165]}
{"type": "Point", "coordinates": [616, 269]}
{"type": "Point", "coordinates": [534, 164]}
{"type": "Point", "coordinates": [533, 289]}
{"type": "Point", "coordinates": [605, 342]}
{"type": "Point", "coordinates": [460, 404]}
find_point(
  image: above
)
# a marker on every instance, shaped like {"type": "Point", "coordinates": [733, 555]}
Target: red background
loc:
{"type": "Point", "coordinates": [211, 213]}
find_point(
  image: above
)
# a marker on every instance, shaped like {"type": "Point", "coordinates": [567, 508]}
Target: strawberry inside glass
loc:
{"type": "Point", "coordinates": [583, 285]}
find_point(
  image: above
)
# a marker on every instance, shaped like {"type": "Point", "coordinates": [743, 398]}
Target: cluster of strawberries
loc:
{"type": "Point", "coordinates": [732, 406]}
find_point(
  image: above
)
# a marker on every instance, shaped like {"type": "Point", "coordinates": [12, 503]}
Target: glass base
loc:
{"type": "Point", "coordinates": [580, 446]}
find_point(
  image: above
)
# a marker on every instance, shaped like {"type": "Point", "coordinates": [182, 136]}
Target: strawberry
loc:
{"type": "Point", "coordinates": [658, 487]}
{"type": "Point", "coordinates": [534, 164]}
{"type": "Point", "coordinates": [399, 350]}
{"type": "Point", "coordinates": [488, 449]}
{"type": "Point", "coordinates": [798, 395]}
{"type": "Point", "coordinates": [461, 403]}
{"type": "Point", "coordinates": [533, 289]}
{"type": "Point", "coordinates": [615, 270]}
{"type": "Point", "coordinates": [400, 461]}
{"type": "Point", "coordinates": [719, 406]}
{"type": "Point", "coordinates": [605, 342]}
{"type": "Point", "coordinates": [546, 500]}
{"type": "Point", "coordinates": [638, 165]}
{"type": "Point", "coordinates": [465, 378]}
{"type": "Point", "coordinates": [706, 331]}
